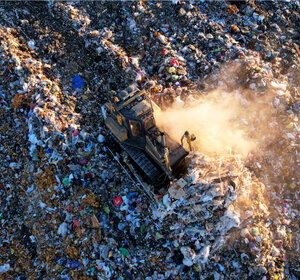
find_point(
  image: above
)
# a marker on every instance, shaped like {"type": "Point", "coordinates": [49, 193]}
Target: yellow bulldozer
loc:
{"type": "Point", "coordinates": [129, 117]}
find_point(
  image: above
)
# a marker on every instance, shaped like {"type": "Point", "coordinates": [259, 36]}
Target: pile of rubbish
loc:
{"type": "Point", "coordinates": [70, 210]}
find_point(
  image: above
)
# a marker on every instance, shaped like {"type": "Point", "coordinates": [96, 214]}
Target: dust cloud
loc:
{"type": "Point", "coordinates": [216, 121]}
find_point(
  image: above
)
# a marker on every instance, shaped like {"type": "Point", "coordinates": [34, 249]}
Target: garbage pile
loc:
{"type": "Point", "coordinates": [69, 210]}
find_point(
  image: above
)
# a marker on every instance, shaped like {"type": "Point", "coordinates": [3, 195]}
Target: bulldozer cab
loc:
{"type": "Point", "coordinates": [136, 132]}
{"type": "Point", "coordinates": [137, 114]}
{"type": "Point", "coordinates": [136, 128]}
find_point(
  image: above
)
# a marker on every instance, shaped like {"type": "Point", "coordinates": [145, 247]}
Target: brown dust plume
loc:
{"type": "Point", "coordinates": [215, 121]}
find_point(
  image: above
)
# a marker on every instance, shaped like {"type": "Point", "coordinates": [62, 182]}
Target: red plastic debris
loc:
{"type": "Point", "coordinates": [118, 201]}
{"type": "Point", "coordinates": [76, 224]}
{"type": "Point", "coordinates": [174, 62]}
{"type": "Point", "coordinates": [76, 132]}
{"type": "Point", "coordinates": [165, 51]}
{"type": "Point", "coordinates": [160, 196]}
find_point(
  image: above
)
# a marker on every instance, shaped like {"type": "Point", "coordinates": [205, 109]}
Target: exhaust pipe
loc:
{"type": "Point", "coordinates": [162, 135]}
{"type": "Point", "coordinates": [166, 150]}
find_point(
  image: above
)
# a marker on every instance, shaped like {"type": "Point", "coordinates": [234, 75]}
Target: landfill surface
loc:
{"type": "Point", "coordinates": [69, 210]}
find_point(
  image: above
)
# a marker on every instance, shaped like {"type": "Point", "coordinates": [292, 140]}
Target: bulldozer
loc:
{"type": "Point", "coordinates": [130, 120]}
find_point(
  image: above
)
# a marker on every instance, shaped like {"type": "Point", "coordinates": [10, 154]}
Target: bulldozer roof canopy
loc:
{"type": "Point", "coordinates": [136, 111]}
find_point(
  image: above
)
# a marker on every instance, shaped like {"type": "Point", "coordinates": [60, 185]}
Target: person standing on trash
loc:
{"type": "Point", "coordinates": [189, 138]}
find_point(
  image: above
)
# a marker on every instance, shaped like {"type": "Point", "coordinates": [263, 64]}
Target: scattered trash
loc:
{"type": "Point", "coordinates": [4, 268]}
{"type": "Point", "coordinates": [77, 82]}
{"type": "Point", "coordinates": [69, 210]}
{"type": "Point", "coordinates": [118, 201]}
{"type": "Point", "coordinates": [124, 251]}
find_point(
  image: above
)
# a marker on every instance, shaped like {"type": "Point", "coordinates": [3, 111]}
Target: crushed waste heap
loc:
{"type": "Point", "coordinates": [68, 210]}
